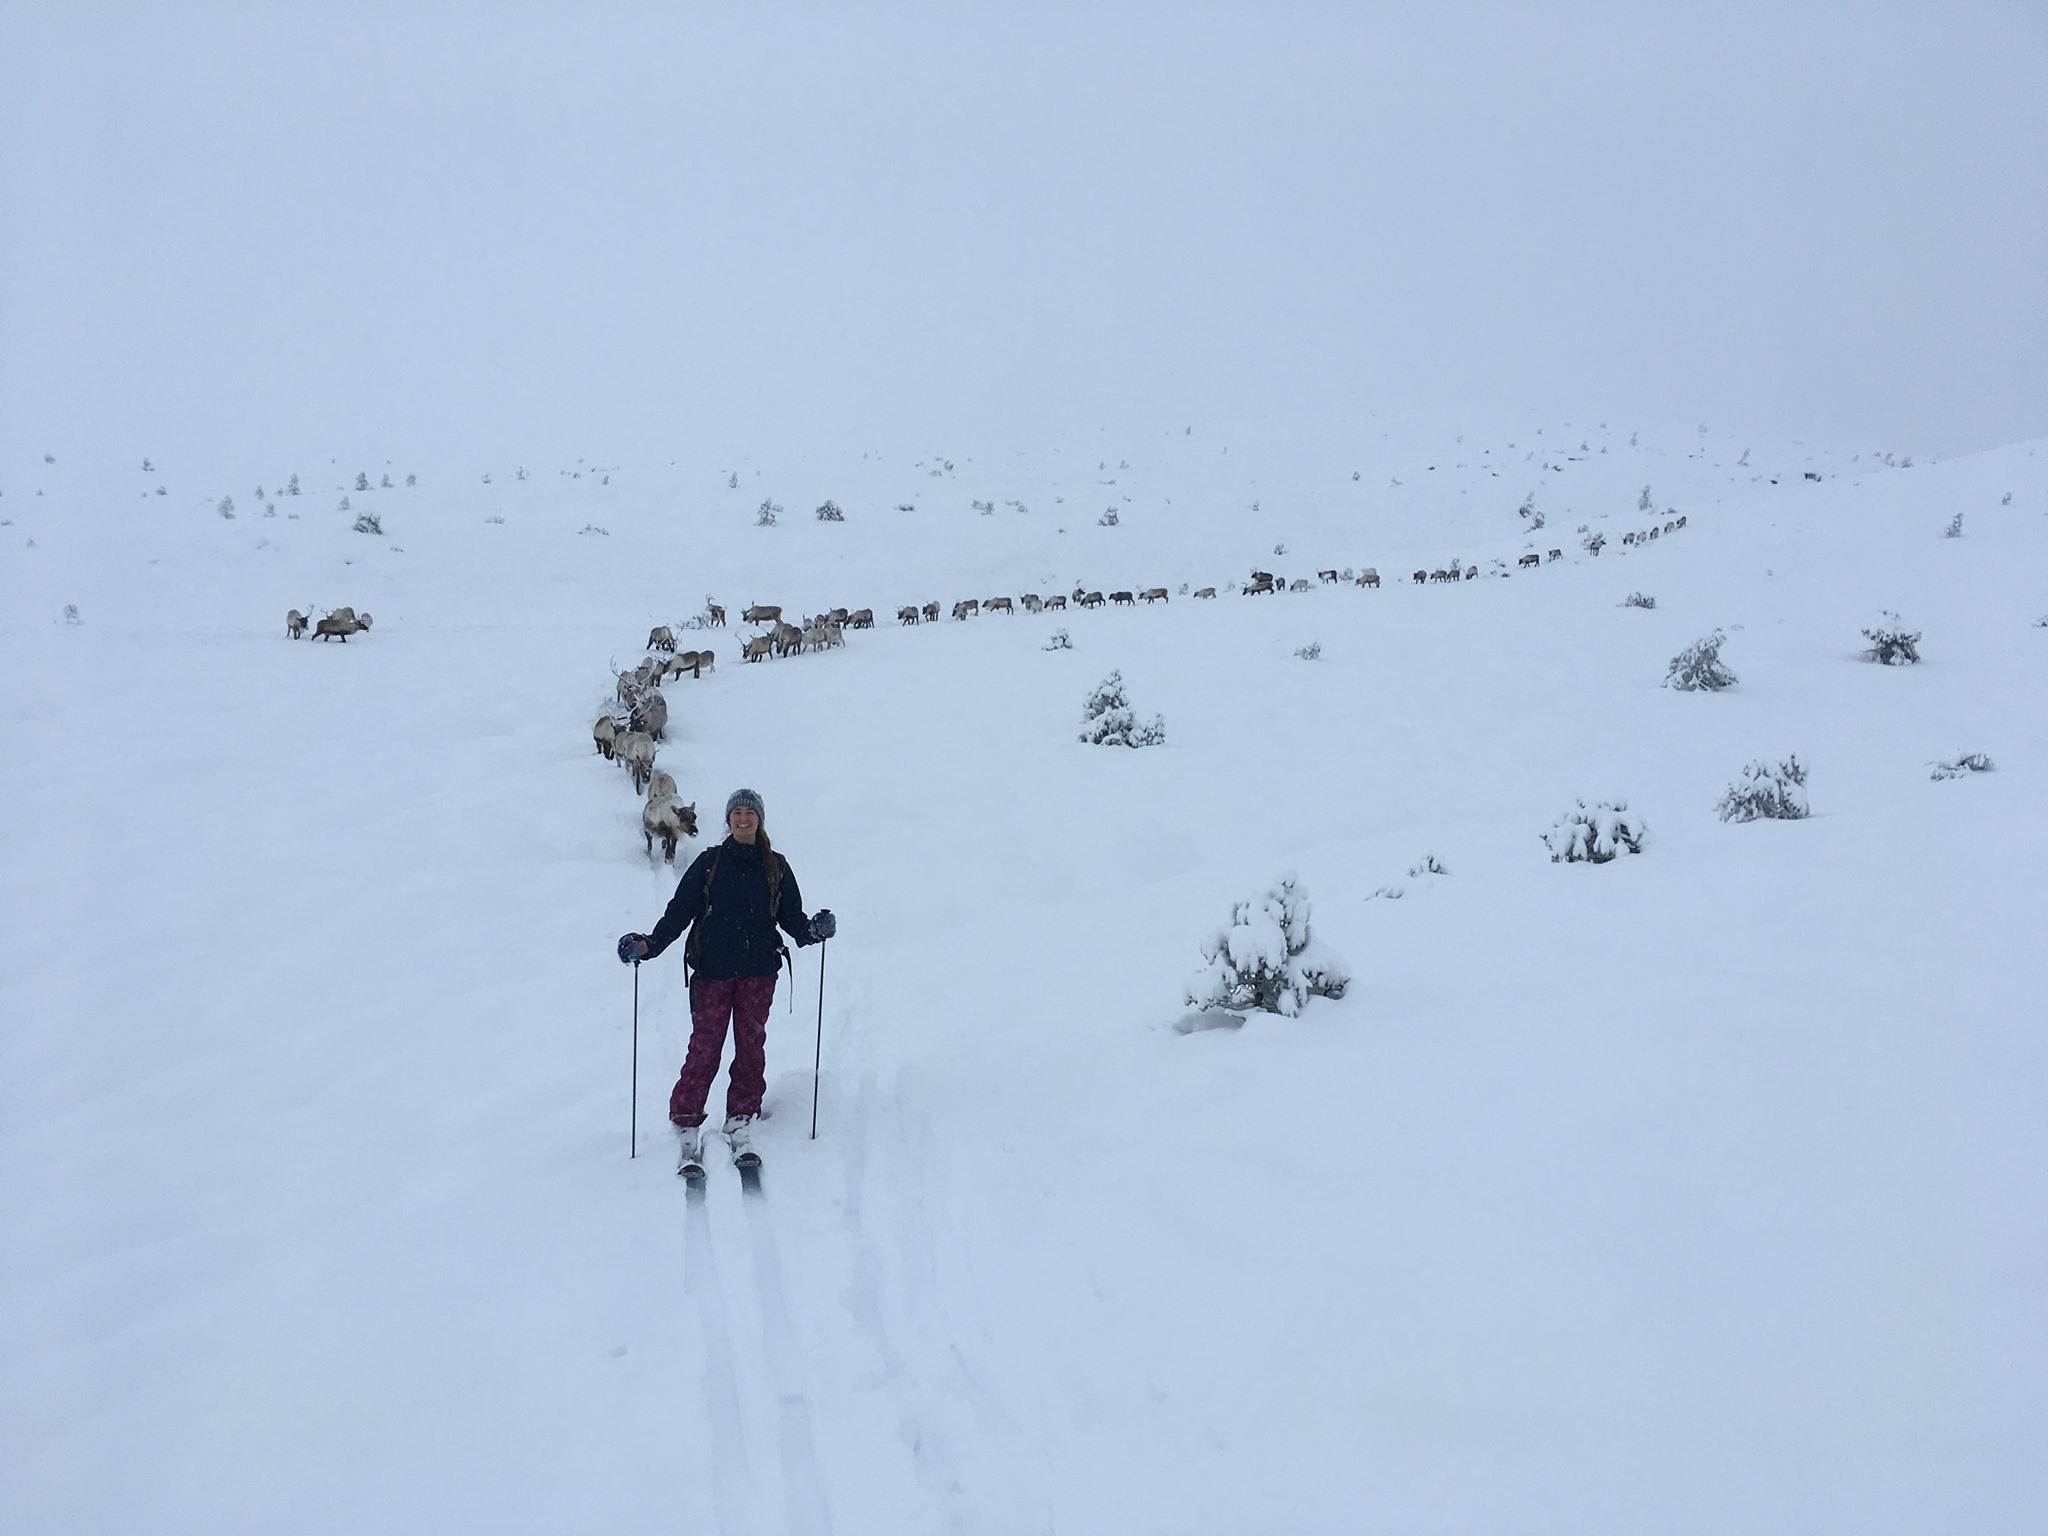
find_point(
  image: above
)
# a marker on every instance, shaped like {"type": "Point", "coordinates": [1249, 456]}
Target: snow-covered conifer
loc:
{"type": "Point", "coordinates": [1962, 764]}
{"type": "Point", "coordinates": [766, 513]}
{"type": "Point", "coordinates": [1639, 600]}
{"type": "Point", "coordinates": [1955, 527]}
{"type": "Point", "coordinates": [1767, 791]}
{"type": "Point", "coordinates": [1595, 834]}
{"type": "Point", "coordinates": [1059, 640]}
{"type": "Point", "coordinates": [1107, 719]}
{"type": "Point", "coordinates": [369, 522]}
{"type": "Point", "coordinates": [1890, 641]}
{"type": "Point", "coordinates": [1699, 666]}
{"type": "Point", "coordinates": [829, 513]}
{"type": "Point", "coordinates": [1267, 957]}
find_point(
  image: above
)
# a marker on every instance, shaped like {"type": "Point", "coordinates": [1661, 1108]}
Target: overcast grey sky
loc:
{"type": "Point", "coordinates": [491, 228]}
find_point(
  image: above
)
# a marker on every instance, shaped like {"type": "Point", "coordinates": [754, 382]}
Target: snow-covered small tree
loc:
{"type": "Point", "coordinates": [1059, 640]}
{"type": "Point", "coordinates": [362, 481]}
{"type": "Point", "coordinates": [1699, 666]}
{"type": "Point", "coordinates": [1267, 957]}
{"type": "Point", "coordinates": [411, 481]}
{"type": "Point", "coordinates": [292, 486]}
{"type": "Point", "coordinates": [1595, 834]}
{"type": "Point", "coordinates": [384, 482]}
{"type": "Point", "coordinates": [369, 522]}
{"type": "Point", "coordinates": [1962, 764]}
{"type": "Point", "coordinates": [766, 513]}
{"type": "Point", "coordinates": [1107, 719]}
{"type": "Point", "coordinates": [1955, 527]}
{"type": "Point", "coordinates": [829, 513]}
{"type": "Point", "coordinates": [1108, 518]}
{"type": "Point", "coordinates": [1310, 652]}
{"type": "Point", "coordinates": [1643, 501]}
{"type": "Point", "coordinates": [226, 507]}
{"type": "Point", "coordinates": [1890, 641]}
{"type": "Point", "coordinates": [1767, 791]}
{"type": "Point", "coordinates": [1639, 600]}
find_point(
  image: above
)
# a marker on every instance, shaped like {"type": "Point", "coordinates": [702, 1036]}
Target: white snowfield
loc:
{"type": "Point", "coordinates": [1698, 1191]}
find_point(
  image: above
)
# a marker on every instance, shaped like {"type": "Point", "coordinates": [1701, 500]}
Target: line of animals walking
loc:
{"type": "Point", "coordinates": [630, 730]}
{"type": "Point", "coordinates": [338, 625]}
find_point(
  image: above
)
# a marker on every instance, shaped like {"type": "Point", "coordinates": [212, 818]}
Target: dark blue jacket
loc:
{"type": "Point", "coordinates": [734, 931]}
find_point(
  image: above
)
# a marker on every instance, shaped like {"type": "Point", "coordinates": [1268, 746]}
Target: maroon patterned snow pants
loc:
{"type": "Point", "coordinates": [744, 1001]}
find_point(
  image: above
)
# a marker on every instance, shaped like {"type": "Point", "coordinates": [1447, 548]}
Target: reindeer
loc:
{"type": "Point", "coordinates": [1555, 554]}
{"type": "Point", "coordinates": [661, 638]}
{"type": "Point", "coordinates": [1057, 602]}
{"type": "Point", "coordinates": [1681, 523]}
{"type": "Point", "coordinates": [714, 612]}
{"type": "Point", "coordinates": [1471, 573]}
{"type": "Point", "coordinates": [1154, 595]}
{"type": "Point", "coordinates": [861, 618]}
{"type": "Point", "coordinates": [787, 638]}
{"type": "Point", "coordinates": [1091, 600]}
{"type": "Point", "coordinates": [907, 614]}
{"type": "Point", "coordinates": [331, 628]}
{"type": "Point", "coordinates": [635, 749]}
{"type": "Point", "coordinates": [295, 625]}
{"type": "Point", "coordinates": [1206, 592]}
{"type": "Point", "coordinates": [1653, 533]}
{"type": "Point", "coordinates": [1369, 577]}
{"type": "Point", "coordinates": [1669, 526]}
{"type": "Point", "coordinates": [930, 612]}
{"type": "Point", "coordinates": [1262, 581]}
{"type": "Point", "coordinates": [999, 605]}
{"type": "Point", "coordinates": [1032, 603]}
{"type": "Point", "coordinates": [756, 648]}
{"type": "Point", "coordinates": [706, 661]}
{"type": "Point", "coordinates": [762, 613]}
{"type": "Point", "coordinates": [966, 608]}
{"type": "Point", "coordinates": [605, 731]}
{"type": "Point", "coordinates": [1299, 586]}
{"type": "Point", "coordinates": [1121, 599]}
{"type": "Point", "coordinates": [1421, 577]}
{"type": "Point", "coordinates": [837, 616]}
{"type": "Point", "coordinates": [1439, 574]}
{"type": "Point", "coordinates": [650, 714]}
{"type": "Point", "coordinates": [1528, 562]}
{"type": "Point", "coordinates": [661, 817]}
{"type": "Point", "coordinates": [1328, 578]}
{"type": "Point", "coordinates": [1627, 539]}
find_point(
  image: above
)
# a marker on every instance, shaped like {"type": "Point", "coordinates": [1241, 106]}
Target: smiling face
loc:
{"type": "Point", "coordinates": [742, 823]}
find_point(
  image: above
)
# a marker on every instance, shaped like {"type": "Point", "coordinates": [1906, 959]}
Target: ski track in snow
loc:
{"type": "Point", "coordinates": [733, 1491]}
{"type": "Point", "coordinates": [803, 1488]}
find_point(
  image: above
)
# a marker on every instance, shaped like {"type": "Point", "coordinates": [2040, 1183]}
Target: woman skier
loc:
{"type": "Point", "coordinates": [732, 898]}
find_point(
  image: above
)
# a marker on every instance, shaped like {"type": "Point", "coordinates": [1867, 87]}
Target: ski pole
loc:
{"type": "Point", "coordinates": [634, 1102]}
{"type": "Point", "coordinates": [818, 1056]}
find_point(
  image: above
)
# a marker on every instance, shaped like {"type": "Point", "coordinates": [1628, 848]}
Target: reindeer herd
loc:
{"type": "Point", "coordinates": [338, 625]}
{"type": "Point", "coordinates": [630, 730]}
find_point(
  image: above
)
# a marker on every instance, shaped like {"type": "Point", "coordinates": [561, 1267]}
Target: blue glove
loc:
{"type": "Point", "coordinates": [632, 948]}
{"type": "Point", "coordinates": [824, 925]}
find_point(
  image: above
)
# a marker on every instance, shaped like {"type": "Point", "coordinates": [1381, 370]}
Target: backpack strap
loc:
{"type": "Point", "coordinates": [691, 947]}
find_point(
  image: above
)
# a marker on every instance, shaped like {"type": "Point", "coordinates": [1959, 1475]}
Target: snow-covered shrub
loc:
{"type": "Point", "coordinates": [830, 513]}
{"type": "Point", "coordinates": [384, 482]}
{"type": "Point", "coordinates": [1767, 791]}
{"type": "Point", "coordinates": [411, 481]}
{"type": "Point", "coordinates": [1108, 518]}
{"type": "Point", "coordinates": [1108, 721]}
{"type": "Point", "coordinates": [1643, 501]}
{"type": "Point", "coordinates": [1595, 834]}
{"type": "Point", "coordinates": [1962, 764]}
{"type": "Point", "coordinates": [1699, 666]}
{"type": "Point", "coordinates": [494, 518]}
{"type": "Point", "coordinates": [1955, 527]}
{"type": "Point", "coordinates": [1267, 958]}
{"type": "Point", "coordinates": [985, 508]}
{"type": "Point", "coordinates": [292, 486]}
{"type": "Point", "coordinates": [344, 504]}
{"type": "Point", "coordinates": [1430, 865]}
{"type": "Point", "coordinates": [362, 481]}
{"type": "Point", "coordinates": [766, 513]}
{"type": "Point", "coordinates": [1639, 600]}
{"type": "Point", "coordinates": [1890, 642]}
{"type": "Point", "coordinates": [226, 507]}
{"type": "Point", "coordinates": [593, 528]}
{"type": "Point", "coordinates": [71, 614]}
{"type": "Point", "coordinates": [1059, 640]}
{"type": "Point", "coordinates": [368, 522]}
{"type": "Point", "coordinates": [1310, 651]}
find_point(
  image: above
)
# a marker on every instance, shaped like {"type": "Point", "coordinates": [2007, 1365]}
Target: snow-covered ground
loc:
{"type": "Point", "coordinates": [1699, 1191]}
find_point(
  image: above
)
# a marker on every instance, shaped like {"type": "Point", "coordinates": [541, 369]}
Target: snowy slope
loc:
{"type": "Point", "coordinates": [1700, 1191]}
